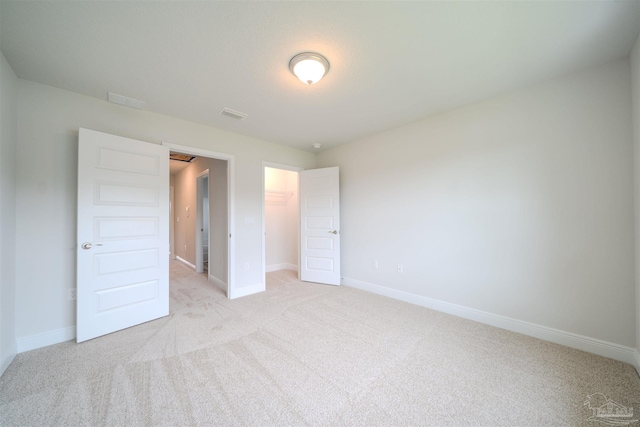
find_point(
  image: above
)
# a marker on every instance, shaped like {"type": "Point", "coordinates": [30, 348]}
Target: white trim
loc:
{"type": "Point", "coordinates": [230, 158]}
{"type": "Point", "coordinates": [281, 266]}
{"type": "Point", "coordinates": [247, 290]}
{"type": "Point", "coordinates": [274, 267]}
{"type": "Point", "coordinates": [200, 221]}
{"type": "Point", "coordinates": [293, 267]}
{"type": "Point", "coordinates": [187, 263]}
{"type": "Point", "coordinates": [281, 166]}
{"type": "Point", "coordinates": [569, 339]}
{"type": "Point", "coordinates": [219, 283]}
{"type": "Point", "coordinates": [197, 151]}
{"type": "Point", "coordinates": [45, 339]}
{"type": "Point", "coordinates": [6, 362]}
{"type": "Point", "coordinates": [172, 243]}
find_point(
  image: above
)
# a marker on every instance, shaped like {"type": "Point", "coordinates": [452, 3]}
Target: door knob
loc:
{"type": "Point", "coordinates": [334, 232]}
{"type": "Point", "coordinates": [87, 245]}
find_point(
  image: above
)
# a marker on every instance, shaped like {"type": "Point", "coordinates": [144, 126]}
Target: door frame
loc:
{"type": "Point", "coordinates": [230, 159]}
{"type": "Point", "coordinates": [200, 221]}
{"type": "Point", "coordinates": [172, 243]}
{"type": "Point", "coordinates": [273, 165]}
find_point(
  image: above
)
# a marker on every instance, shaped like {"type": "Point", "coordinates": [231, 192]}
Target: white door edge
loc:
{"type": "Point", "coordinates": [200, 221]}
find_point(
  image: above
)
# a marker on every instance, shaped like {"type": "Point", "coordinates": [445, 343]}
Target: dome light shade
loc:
{"type": "Point", "coordinates": [309, 67]}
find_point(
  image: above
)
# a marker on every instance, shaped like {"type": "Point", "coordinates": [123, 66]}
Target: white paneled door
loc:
{"type": "Point", "coordinates": [123, 233]}
{"type": "Point", "coordinates": [320, 226]}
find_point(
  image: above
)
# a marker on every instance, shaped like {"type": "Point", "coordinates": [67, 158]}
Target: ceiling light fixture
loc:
{"type": "Point", "coordinates": [309, 67]}
{"type": "Point", "coordinates": [317, 145]}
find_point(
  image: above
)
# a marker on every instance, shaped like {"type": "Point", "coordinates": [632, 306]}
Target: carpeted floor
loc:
{"type": "Point", "coordinates": [307, 354]}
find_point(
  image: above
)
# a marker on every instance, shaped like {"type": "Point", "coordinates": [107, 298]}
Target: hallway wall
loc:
{"type": "Point", "coordinates": [185, 194]}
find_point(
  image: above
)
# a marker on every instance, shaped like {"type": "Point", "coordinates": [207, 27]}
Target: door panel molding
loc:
{"type": "Point", "coordinates": [123, 233]}
{"type": "Point", "coordinates": [320, 226]}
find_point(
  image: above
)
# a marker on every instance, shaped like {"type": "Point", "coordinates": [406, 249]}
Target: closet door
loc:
{"type": "Point", "coordinates": [320, 226]}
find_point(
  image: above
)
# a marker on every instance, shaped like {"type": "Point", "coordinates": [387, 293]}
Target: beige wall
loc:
{"type": "Point", "coordinates": [48, 122]}
{"type": "Point", "coordinates": [218, 196]}
{"type": "Point", "coordinates": [635, 81]}
{"type": "Point", "coordinates": [185, 228]}
{"type": "Point", "coordinates": [520, 206]}
{"type": "Point", "coordinates": [8, 138]}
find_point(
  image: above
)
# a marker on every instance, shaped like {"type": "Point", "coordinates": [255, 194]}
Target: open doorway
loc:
{"type": "Point", "coordinates": [202, 214]}
{"type": "Point", "coordinates": [281, 218]}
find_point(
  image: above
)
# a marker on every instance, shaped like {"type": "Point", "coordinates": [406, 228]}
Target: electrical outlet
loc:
{"type": "Point", "coordinates": [72, 294]}
{"type": "Point", "coordinates": [374, 265]}
{"type": "Point", "coordinates": [400, 268]}
{"type": "Point", "coordinates": [247, 266]}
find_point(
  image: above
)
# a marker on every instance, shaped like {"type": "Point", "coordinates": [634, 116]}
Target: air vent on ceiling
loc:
{"type": "Point", "coordinates": [181, 157]}
{"type": "Point", "coordinates": [232, 113]}
{"type": "Point", "coordinates": [126, 101]}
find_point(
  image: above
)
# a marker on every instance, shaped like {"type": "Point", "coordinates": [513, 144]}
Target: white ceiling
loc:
{"type": "Point", "coordinates": [391, 62]}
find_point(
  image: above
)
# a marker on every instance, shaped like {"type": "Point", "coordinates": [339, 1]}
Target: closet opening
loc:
{"type": "Point", "coordinates": [281, 220]}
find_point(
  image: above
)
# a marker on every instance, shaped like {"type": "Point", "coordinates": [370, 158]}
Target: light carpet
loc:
{"type": "Point", "coordinates": [308, 354]}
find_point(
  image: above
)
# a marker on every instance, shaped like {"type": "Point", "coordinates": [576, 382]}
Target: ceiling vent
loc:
{"type": "Point", "coordinates": [232, 113]}
{"type": "Point", "coordinates": [181, 157]}
{"type": "Point", "coordinates": [126, 101]}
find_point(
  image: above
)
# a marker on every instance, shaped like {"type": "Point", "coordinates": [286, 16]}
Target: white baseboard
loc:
{"type": "Point", "coordinates": [44, 339]}
{"type": "Point", "coordinates": [185, 262]}
{"type": "Point", "coordinates": [569, 339]}
{"type": "Point", "coordinates": [281, 266]}
{"type": "Point", "coordinates": [219, 283]}
{"type": "Point", "coordinates": [6, 361]}
{"type": "Point", "coordinates": [246, 290]}
{"type": "Point", "coordinates": [636, 361]}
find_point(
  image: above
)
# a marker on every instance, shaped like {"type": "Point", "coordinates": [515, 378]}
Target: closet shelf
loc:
{"type": "Point", "coordinates": [273, 197]}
